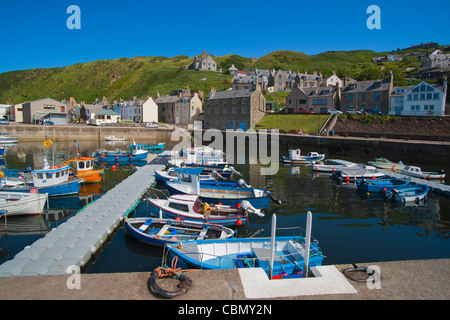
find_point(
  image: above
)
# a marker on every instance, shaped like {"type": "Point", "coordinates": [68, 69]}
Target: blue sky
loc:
{"type": "Point", "coordinates": [34, 33]}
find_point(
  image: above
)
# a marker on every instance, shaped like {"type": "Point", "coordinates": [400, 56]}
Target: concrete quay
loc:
{"type": "Point", "coordinates": [400, 280]}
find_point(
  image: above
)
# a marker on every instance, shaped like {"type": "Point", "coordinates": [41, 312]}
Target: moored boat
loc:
{"type": "Point", "coordinates": [247, 253]}
{"type": "Point", "coordinates": [383, 163]}
{"type": "Point", "coordinates": [190, 207]}
{"type": "Point", "coordinates": [295, 157]}
{"type": "Point", "coordinates": [411, 193]}
{"type": "Point", "coordinates": [18, 203]}
{"type": "Point", "coordinates": [331, 165]}
{"type": "Point", "coordinates": [5, 139]}
{"type": "Point", "coordinates": [357, 172]}
{"type": "Point", "coordinates": [136, 152]}
{"type": "Point", "coordinates": [113, 138]}
{"type": "Point", "coordinates": [417, 172]}
{"type": "Point", "coordinates": [52, 180]}
{"type": "Point", "coordinates": [84, 169]}
{"type": "Point", "coordinates": [159, 232]}
{"type": "Point", "coordinates": [380, 185]}
{"type": "Point", "coordinates": [188, 183]}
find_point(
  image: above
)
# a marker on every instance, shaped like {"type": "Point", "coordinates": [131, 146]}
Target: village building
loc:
{"type": "Point", "coordinates": [204, 62]}
{"type": "Point", "coordinates": [316, 100]}
{"type": "Point", "coordinates": [181, 107]}
{"type": "Point", "coordinates": [367, 96]}
{"type": "Point", "coordinates": [234, 109]}
{"type": "Point", "coordinates": [423, 99]}
{"type": "Point", "coordinates": [35, 112]}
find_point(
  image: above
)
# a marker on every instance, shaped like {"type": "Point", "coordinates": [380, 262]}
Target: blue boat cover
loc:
{"type": "Point", "coordinates": [193, 171]}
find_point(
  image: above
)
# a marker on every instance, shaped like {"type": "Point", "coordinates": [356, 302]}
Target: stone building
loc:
{"type": "Point", "coordinates": [203, 62]}
{"type": "Point", "coordinates": [369, 96]}
{"type": "Point", "coordinates": [317, 100]}
{"type": "Point", "coordinates": [181, 107]}
{"type": "Point", "coordinates": [233, 109]}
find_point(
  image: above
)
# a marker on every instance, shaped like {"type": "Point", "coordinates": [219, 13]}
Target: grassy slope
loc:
{"type": "Point", "coordinates": [143, 76]}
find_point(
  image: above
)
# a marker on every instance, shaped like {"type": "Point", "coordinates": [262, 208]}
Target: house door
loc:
{"type": "Point", "coordinates": [231, 125]}
{"type": "Point", "coordinates": [243, 126]}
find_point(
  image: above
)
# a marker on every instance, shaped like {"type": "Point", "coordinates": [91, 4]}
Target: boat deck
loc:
{"type": "Point", "coordinates": [73, 242]}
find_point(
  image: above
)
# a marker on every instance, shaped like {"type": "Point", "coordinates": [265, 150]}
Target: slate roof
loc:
{"type": "Point", "coordinates": [230, 94]}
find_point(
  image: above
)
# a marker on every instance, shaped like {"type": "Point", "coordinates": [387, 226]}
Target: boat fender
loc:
{"type": "Point", "coordinates": [183, 286]}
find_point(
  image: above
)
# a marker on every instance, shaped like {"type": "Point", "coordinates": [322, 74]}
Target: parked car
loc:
{"type": "Point", "coordinates": [151, 125]}
{"type": "Point", "coordinates": [47, 123]}
{"type": "Point", "coordinates": [334, 111]}
{"type": "Point", "coordinates": [4, 121]}
{"type": "Point", "coordinates": [373, 112]}
{"type": "Point", "coordinates": [305, 111]}
{"type": "Point", "coordinates": [352, 112]}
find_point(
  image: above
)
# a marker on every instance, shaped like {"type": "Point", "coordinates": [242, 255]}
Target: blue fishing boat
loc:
{"type": "Point", "coordinates": [189, 183]}
{"type": "Point", "coordinates": [136, 152]}
{"type": "Point", "coordinates": [52, 180]}
{"type": "Point", "coordinates": [380, 185]}
{"type": "Point", "coordinates": [154, 147]}
{"type": "Point", "coordinates": [159, 232]}
{"type": "Point", "coordinates": [246, 253]}
{"type": "Point", "coordinates": [2, 151]}
{"type": "Point", "coordinates": [411, 193]}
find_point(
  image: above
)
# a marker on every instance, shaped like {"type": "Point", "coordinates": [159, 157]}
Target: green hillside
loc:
{"type": "Point", "coordinates": [144, 76]}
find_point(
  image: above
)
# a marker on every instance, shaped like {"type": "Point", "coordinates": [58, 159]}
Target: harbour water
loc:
{"type": "Point", "coordinates": [350, 227]}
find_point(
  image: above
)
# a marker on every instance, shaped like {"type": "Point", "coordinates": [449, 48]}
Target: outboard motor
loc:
{"type": "Point", "coordinates": [241, 183]}
{"type": "Point", "coordinates": [249, 208]}
{"type": "Point", "coordinates": [230, 168]}
{"type": "Point", "coordinates": [268, 193]}
{"type": "Point", "coordinates": [216, 175]}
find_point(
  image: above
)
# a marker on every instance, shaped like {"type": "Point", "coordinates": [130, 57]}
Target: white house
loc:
{"type": "Point", "coordinates": [333, 81]}
{"type": "Point", "coordinates": [421, 100]}
{"type": "Point", "coordinates": [149, 111]}
{"type": "Point", "coordinates": [105, 116]}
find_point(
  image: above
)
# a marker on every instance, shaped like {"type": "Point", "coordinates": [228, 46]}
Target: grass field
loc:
{"type": "Point", "coordinates": [287, 122]}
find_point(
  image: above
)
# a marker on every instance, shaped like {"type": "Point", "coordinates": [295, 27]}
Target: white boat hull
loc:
{"type": "Point", "coordinates": [16, 203]}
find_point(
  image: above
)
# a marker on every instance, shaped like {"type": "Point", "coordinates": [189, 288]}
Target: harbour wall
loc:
{"type": "Point", "coordinates": [329, 144]}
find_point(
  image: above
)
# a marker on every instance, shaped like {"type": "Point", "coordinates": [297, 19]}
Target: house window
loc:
{"type": "Point", "coordinates": [363, 97]}
{"type": "Point", "coordinates": [244, 110]}
{"type": "Point", "coordinates": [225, 110]}
{"type": "Point", "coordinates": [244, 101]}
{"type": "Point", "coordinates": [217, 110]}
{"type": "Point", "coordinates": [377, 96]}
{"type": "Point", "coordinates": [302, 101]}
{"type": "Point", "coordinates": [224, 101]}
{"type": "Point", "coordinates": [234, 110]}
{"type": "Point", "coordinates": [377, 107]}
{"type": "Point", "coordinates": [436, 96]}
{"type": "Point", "coordinates": [429, 96]}
{"type": "Point", "coordinates": [289, 101]}
{"type": "Point", "coordinates": [234, 101]}
{"type": "Point", "coordinates": [350, 97]}
{"type": "Point", "coordinates": [398, 99]}
{"type": "Point", "coordinates": [409, 96]}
